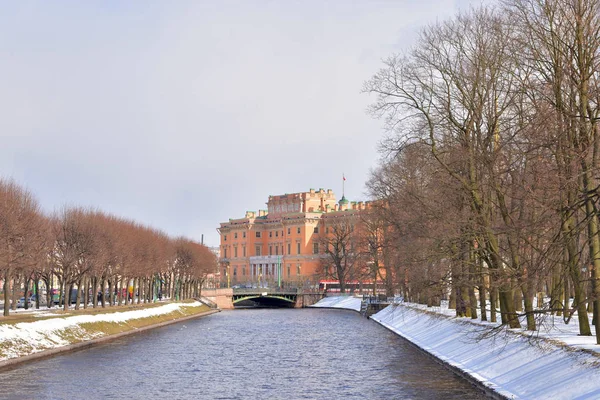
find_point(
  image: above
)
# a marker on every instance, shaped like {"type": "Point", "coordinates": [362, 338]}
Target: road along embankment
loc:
{"type": "Point", "coordinates": [56, 333]}
{"type": "Point", "coordinates": [507, 364]}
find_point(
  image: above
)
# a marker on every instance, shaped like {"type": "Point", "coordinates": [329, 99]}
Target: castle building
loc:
{"type": "Point", "coordinates": [280, 245]}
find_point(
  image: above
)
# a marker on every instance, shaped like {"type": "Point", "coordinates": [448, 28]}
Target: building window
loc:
{"type": "Point", "coordinates": [243, 270]}
{"type": "Point", "coordinates": [270, 250]}
{"type": "Point", "coordinates": [298, 247]}
{"type": "Point", "coordinates": [276, 233]}
{"type": "Point", "coordinates": [224, 238]}
{"type": "Point", "coordinates": [289, 248]}
{"type": "Point", "coordinates": [234, 271]}
{"type": "Point", "coordinates": [244, 234]}
{"type": "Point", "coordinates": [257, 249]}
{"type": "Point", "coordinates": [316, 230]}
{"type": "Point", "coordinates": [235, 235]}
{"type": "Point", "coordinates": [298, 230]}
{"type": "Point", "coordinates": [270, 234]}
{"type": "Point", "coordinates": [289, 231]}
{"type": "Point", "coordinates": [257, 234]}
{"type": "Point", "coordinates": [276, 250]}
{"type": "Point", "coordinates": [289, 270]}
{"type": "Point", "coordinates": [244, 251]}
{"type": "Point", "coordinates": [224, 252]}
{"type": "Point", "coordinates": [316, 248]}
{"type": "Point", "coordinates": [235, 251]}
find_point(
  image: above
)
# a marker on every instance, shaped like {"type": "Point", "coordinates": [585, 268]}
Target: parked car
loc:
{"type": "Point", "coordinates": [21, 303]}
{"type": "Point", "coordinates": [43, 300]}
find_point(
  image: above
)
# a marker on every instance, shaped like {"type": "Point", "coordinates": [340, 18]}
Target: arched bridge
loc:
{"type": "Point", "coordinates": [227, 298]}
{"type": "Point", "coordinates": [265, 297]}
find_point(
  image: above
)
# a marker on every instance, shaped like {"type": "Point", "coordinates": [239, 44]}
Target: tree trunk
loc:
{"type": "Point", "coordinates": [111, 292]}
{"type": "Point", "coordinates": [49, 290]}
{"type": "Point", "coordinates": [16, 284]}
{"type": "Point", "coordinates": [120, 291]}
{"type": "Point", "coordinates": [94, 291]}
{"type": "Point", "coordinates": [140, 290]}
{"type": "Point", "coordinates": [86, 293]}
{"type": "Point", "coordinates": [528, 294]}
{"type": "Point", "coordinates": [6, 289]}
{"type": "Point", "coordinates": [26, 292]}
{"type": "Point", "coordinates": [103, 295]}
{"type": "Point", "coordinates": [36, 289]}
{"type": "Point", "coordinates": [79, 293]}
{"type": "Point", "coordinates": [519, 298]}
{"type": "Point", "coordinates": [61, 293]}
{"type": "Point", "coordinates": [493, 300]}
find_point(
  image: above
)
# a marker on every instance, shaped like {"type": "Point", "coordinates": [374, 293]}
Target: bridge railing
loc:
{"type": "Point", "coordinates": [370, 299]}
{"type": "Point", "coordinates": [268, 290]}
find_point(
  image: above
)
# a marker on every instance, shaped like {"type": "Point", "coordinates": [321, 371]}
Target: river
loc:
{"type": "Point", "coordinates": [245, 354]}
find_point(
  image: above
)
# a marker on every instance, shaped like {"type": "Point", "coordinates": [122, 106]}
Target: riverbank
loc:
{"type": "Point", "coordinates": [512, 363]}
{"type": "Point", "coordinates": [57, 332]}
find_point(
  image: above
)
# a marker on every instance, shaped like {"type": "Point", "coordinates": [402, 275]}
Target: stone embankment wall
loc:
{"type": "Point", "coordinates": [223, 298]}
{"type": "Point", "coordinates": [307, 300]}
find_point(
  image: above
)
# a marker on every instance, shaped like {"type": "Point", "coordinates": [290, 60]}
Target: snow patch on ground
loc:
{"type": "Point", "coordinates": [31, 337]}
{"type": "Point", "coordinates": [549, 326]}
{"type": "Point", "coordinates": [345, 302]}
{"type": "Point", "coordinates": [511, 363]}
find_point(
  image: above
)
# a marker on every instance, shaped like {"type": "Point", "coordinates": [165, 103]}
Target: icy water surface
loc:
{"type": "Point", "coordinates": [245, 354]}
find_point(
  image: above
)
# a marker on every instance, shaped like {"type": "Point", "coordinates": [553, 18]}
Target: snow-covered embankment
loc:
{"type": "Point", "coordinates": [344, 302]}
{"type": "Point", "coordinates": [510, 363]}
{"type": "Point", "coordinates": [26, 339]}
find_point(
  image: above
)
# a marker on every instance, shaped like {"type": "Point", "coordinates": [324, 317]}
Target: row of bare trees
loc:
{"type": "Point", "coordinates": [102, 258]}
{"type": "Point", "coordinates": [490, 176]}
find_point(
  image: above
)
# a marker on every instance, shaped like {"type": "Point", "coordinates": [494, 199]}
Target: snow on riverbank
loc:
{"type": "Point", "coordinates": [346, 302]}
{"type": "Point", "coordinates": [513, 364]}
{"type": "Point", "coordinates": [31, 337]}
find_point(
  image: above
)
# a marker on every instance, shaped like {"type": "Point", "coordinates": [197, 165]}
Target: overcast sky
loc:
{"type": "Point", "coordinates": [181, 115]}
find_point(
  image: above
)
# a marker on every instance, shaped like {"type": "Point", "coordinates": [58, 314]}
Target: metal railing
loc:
{"type": "Point", "coordinates": [265, 289]}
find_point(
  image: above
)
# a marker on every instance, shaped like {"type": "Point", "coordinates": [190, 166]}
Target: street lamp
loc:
{"type": "Point", "coordinates": [228, 276]}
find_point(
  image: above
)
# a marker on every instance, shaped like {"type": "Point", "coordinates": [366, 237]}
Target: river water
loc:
{"type": "Point", "coordinates": [245, 354]}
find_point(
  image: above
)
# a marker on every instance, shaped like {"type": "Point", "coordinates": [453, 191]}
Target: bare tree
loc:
{"type": "Point", "coordinates": [73, 245]}
{"type": "Point", "coordinates": [20, 226]}
{"type": "Point", "coordinates": [342, 258]}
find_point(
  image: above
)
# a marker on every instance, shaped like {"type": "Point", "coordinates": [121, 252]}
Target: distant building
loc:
{"type": "Point", "coordinates": [280, 244]}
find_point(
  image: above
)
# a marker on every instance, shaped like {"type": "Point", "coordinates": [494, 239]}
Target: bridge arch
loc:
{"type": "Point", "coordinates": [264, 300]}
